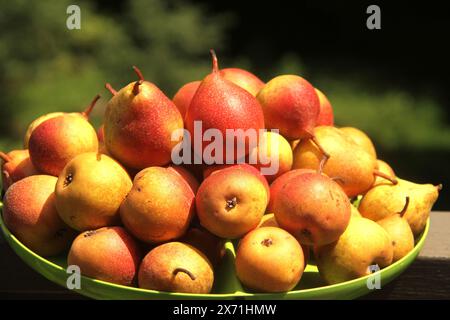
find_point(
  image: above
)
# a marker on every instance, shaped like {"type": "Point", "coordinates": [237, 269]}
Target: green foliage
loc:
{"type": "Point", "coordinates": [394, 119]}
{"type": "Point", "coordinates": [46, 67]}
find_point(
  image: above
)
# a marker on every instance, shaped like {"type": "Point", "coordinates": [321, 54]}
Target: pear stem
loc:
{"type": "Point", "coordinates": [110, 89]}
{"type": "Point", "coordinates": [215, 63]}
{"type": "Point", "coordinates": [385, 176]}
{"type": "Point", "coordinates": [325, 155]}
{"type": "Point", "coordinates": [184, 271]}
{"type": "Point", "coordinates": [5, 157]}
{"type": "Point", "coordinates": [405, 208]}
{"type": "Point", "coordinates": [89, 109]}
{"type": "Point", "coordinates": [7, 178]}
{"type": "Point", "coordinates": [139, 82]}
{"type": "Point", "coordinates": [139, 73]}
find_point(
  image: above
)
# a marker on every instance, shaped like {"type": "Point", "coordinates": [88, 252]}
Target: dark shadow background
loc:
{"type": "Point", "coordinates": [392, 83]}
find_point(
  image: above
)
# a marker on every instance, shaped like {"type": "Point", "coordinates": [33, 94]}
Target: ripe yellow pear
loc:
{"type": "Point", "coordinates": [269, 259]}
{"type": "Point", "coordinates": [364, 243]}
{"type": "Point", "coordinates": [386, 199]}
{"type": "Point", "coordinates": [90, 190]}
{"type": "Point", "coordinates": [400, 232]}
{"type": "Point", "coordinates": [176, 267]}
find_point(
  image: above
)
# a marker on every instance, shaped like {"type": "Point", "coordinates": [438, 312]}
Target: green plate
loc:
{"type": "Point", "coordinates": [227, 286]}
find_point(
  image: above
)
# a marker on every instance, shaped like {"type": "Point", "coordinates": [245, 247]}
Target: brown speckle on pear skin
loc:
{"type": "Point", "coordinates": [267, 242]}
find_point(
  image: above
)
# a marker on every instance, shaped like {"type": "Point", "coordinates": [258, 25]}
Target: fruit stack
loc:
{"type": "Point", "coordinates": [131, 213]}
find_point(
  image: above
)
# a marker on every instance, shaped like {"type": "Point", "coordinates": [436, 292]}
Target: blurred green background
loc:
{"type": "Point", "coordinates": [45, 67]}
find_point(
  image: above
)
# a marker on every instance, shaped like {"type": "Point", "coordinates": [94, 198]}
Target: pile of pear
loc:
{"type": "Point", "coordinates": [126, 214]}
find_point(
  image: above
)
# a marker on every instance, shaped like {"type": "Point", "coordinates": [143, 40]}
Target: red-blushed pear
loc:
{"type": "Point", "coordinates": [108, 254]}
{"type": "Point", "coordinates": [176, 267]}
{"type": "Point", "coordinates": [209, 170]}
{"type": "Point", "coordinates": [85, 114]}
{"type": "Point", "coordinates": [159, 207]}
{"type": "Point", "coordinates": [90, 190]}
{"type": "Point", "coordinates": [220, 104]}
{"type": "Point", "coordinates": [279, 183]}
{"type": "Point", "coordinates": [349, 164]}
{"type": "Point", "coordinates": [269, 259]}
{"type": "Point", "coordinates": [30, 214]}
{"type": "Point", "coordinates": [273, 154]}
{"type": "Point", "coordinates": [240, 77]}
{"type": "Point", "coordinates": [139, 122]}
{"type": "Point", "coordinates": [184, 95]}
{"type": "Point", "coordinates": [231, 202]}
{"type": "Point", "coordinates": [313, 208]}
{"type": "Point", "coordinates": [291, 105]}
{"type": "Point", "coordinates": [244, 79]}
{"type": "Point", "coordinates": [58, 140]}
{"type": "Point", "coordinates": [326, 117]}
{"type": "Point", "coordinates": [15, 165]}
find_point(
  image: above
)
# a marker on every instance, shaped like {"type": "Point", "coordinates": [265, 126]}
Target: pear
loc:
{"type": "Point", "coordinates": [15, 165]}
{"type": "Point", "coordinates": [352, 167]}
{"type": "Point", "coordinates": [313, 208]}
{"type": "Point", "coordinates": [30, 214]}
{"type": "Point", "coordinates": [139, 122]}
{"type": "Point", "coordinates": [325, 117]}
{"type": "Point", "coordinates": [58, 140]}
{"type": "Point", "coordinates": [109, 254]}
{"type": "Point", "coordinates": [176, 267]}
{"type": "Point", "coordinates": [222, 105]}
{"type": "Point", "coordinates": [231, 202]}
{"type": "Point", "coordinates": [269, 259]}
{"type": "Point", "coordinates": [361, 139]}
{"type": "Point", "coordinates": [85, 114]}
{"type": "Point", "coordinates": [159, 207]}
{"type": "Point", "coordinates": [386, 199]}
{"type": "Point", "coordinates": [364, 243]}
{"type": "Point", "coordinates": [291, 105]}
{"type": "Point", "coordinates": [90, 190]}
{"type": "Point", "coordinates": [400, 232]}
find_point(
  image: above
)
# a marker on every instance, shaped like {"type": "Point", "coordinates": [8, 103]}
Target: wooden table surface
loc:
{"type": "Point", "coordinates": [427, 278]}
